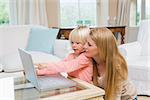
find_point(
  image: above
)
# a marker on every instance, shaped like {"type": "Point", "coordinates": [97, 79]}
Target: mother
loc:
{"type": "Point", "coordinates": [110, 68]}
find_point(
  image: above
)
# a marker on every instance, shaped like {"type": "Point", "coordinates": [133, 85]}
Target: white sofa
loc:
{"type": "Point", "coordinates": [14, 37]}
{"type": "Point", "coordinates": [137, 55]}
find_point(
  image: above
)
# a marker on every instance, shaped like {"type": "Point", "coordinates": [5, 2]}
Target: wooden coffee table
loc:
{"type": "Point", "coordinates": [83, 90]}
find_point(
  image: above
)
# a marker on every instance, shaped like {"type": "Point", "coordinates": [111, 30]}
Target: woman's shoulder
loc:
{"type": "Point", "coordinates": [127, 83]}
{"type": "Point", "coordinates": [128, 89]}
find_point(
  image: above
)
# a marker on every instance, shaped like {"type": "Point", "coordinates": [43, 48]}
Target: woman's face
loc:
{"type": "Point", "coordinates": [90, 48]}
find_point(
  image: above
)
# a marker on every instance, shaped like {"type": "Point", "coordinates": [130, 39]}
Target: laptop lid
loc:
{"type": "Point", "coordinates": [28, 66]}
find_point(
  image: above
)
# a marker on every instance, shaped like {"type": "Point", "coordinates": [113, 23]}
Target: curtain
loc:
{"type": "Point", "coordinates": [119, 12]}
{"type": "Point", "coordinates": [102, 12]}
{"type": "Point", "coordinates": [28, 12]}
{"type": "Point", "coordinates": [123, 12]}
{"type": "Point", "coordinates": [112, 12]}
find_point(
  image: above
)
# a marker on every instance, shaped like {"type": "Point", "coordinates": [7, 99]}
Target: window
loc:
{"type": "Point", "coordinates": [4, 12]}
{"type": "Point", "coordinates": [139, 10]}
{"type": "Point", "coordinates": [74, 12]}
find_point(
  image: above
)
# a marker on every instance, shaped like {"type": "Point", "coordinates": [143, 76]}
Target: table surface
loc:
{"type": "Point", "coordinates": [83, 90]}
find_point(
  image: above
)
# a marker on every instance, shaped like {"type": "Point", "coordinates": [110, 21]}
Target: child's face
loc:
{"type": "Point", "coordinates": [77, 47]}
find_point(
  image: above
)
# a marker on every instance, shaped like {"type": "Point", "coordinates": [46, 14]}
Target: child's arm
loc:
{"type": "Point", "coordinates": [41, 70]}
{"type": "Point", "coordinates": [44, 71]}
{"type": "Point", "coordinates": [66, 66]}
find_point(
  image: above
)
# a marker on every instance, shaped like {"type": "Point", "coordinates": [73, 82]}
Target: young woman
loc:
{"type": "Point", "coordinates": [75, 64]}
{"type": "Point", "coordinates": [110, 68]}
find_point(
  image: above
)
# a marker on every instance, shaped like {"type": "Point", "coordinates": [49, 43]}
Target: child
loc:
{"type": "Point", "coordinates": [111, 66]}
{"type": "Point", "coordinates": [76, 64]}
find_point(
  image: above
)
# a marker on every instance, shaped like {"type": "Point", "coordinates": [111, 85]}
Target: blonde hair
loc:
{"type": "Point", "coordinates": [116, 67]}
{"type": "Point", "coordinates": [79, 34]}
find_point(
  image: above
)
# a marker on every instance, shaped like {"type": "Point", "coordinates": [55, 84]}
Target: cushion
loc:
{"type": "Point", "coordinates": [127, 49]}
{"type": "Point", "coordinates": [139, 73]}
{"type": "Point", "coordinates": [12, 62]}
{"type": "Point", "coordinates": [139, 68]}
{"type": "Point", "coordinates": [144, 37]}
{"type": "Point", "coordinates": [41, 39]}
{"type": "Point", "coordinates": [62, 48]}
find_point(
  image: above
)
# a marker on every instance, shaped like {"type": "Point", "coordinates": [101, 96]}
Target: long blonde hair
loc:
{"type": "Point", "coordinates": [116, 68]}
{"type": "Point", "coordinates": [79, 34]}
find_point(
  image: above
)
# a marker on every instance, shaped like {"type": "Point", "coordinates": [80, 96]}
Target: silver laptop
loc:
{"type": "Point", "coordinates": [42, 83]}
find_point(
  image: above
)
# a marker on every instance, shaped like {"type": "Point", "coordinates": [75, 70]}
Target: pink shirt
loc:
{"type": "Point", "coordinates": [80, 67]}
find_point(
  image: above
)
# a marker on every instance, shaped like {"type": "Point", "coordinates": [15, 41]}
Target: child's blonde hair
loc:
{"type": "Point", "coordinates": [79, 34]}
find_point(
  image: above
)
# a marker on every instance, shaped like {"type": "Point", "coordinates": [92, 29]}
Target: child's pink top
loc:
{"type": "Point", "coordinates": [80, 67]}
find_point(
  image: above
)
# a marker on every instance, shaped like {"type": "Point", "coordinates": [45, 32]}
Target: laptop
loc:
{"type": "Point", "coordinates": [42, 83]}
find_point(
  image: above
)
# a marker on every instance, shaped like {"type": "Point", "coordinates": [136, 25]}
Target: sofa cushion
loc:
{"type": "Point", "coordinates": [139, 68]}
{"type": "Point", "coordinates": [12, 62]}
{"type": "Point", "coordinates": [62, 48]}
{"type": "Point", "coordinates": [42, 39]}
{"type": "Point", "coordinates": [139, 73]}
{"type": "Point", "coordinates": [144, 37]}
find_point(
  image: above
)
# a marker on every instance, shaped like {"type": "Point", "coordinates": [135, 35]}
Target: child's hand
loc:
{"type": "Point", "coordinates": [40, 72]}
{"type": "Point", "coordinates": [41, 65]}
{"type": "Point", "coordinates": [45, 71]}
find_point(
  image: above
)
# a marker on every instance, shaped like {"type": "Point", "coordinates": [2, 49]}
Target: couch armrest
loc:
{"type": "Point", "coordinates": [130, 49]}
